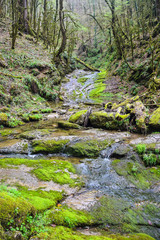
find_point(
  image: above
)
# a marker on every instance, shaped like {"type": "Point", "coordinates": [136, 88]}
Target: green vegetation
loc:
{"type": "Point", "coordinates": [149, 154]}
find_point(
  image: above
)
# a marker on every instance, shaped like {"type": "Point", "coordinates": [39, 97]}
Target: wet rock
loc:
{"type": "Point", "coordinates": [68, 125]}
{"type": "Point", "coordinates": [52, 116]}
{"type": "Point", "coordinates": [120, 151]}
{"type": "Point", "coordinates": [14, 235]}
{"type": "Point", "coordinates": [38, 133]}
{"type": "Point", "coordinates": [14, 146]}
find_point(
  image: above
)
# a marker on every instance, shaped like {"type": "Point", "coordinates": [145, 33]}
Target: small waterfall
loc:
{"type": "Point", "coordinates": [106, 153]}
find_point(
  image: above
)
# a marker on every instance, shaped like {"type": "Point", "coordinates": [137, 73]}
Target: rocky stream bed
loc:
{"type": "Point", "coordinates": [91, 180]}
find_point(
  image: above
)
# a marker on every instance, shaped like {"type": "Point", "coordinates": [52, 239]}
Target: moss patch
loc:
{"type": "Point", "coordinates": [135, 173]}
{"type": "Point", "coordinates": [46, 170]}
{"type": "Point", "coordinates": [68, 125]}
{"type": "Point", "coordinates": [63, 233]}
{"type": "Point", "coordinates": [48, 146]}
{"type": "Point", "coordinates": [155, 119]}
{"type": "Point", "coordinates": [78, 117]}
{"type": "Point", "coordinates": [90, 148]}
{"type": "Point", "coordinates": [69, 217]}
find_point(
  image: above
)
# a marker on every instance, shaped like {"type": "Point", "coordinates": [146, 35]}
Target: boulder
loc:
{"type": "Point", "coordinates": [78, 117]}
{"type": "Point", "coordinates": [154, 122]}
{"type": "Point", "coordinates": [68, 125]}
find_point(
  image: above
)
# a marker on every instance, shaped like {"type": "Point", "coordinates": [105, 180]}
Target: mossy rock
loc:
{"type": "Point", "coordinates": [135, 173]}
{"type": "Point", "coordinates": [64, 233]}
{"type": "Point", "coordinates": [69, 217]}
{"type": "Point", "coordinates": [154, 122]}
{"type": "Point", "coordinates": [99, 119]}
{"type": "Point", "coordinates": [30, 135]}
{"type": "Point", "coordinates": [3, 118]}
{"type": "Point", "coordinates": [48, 146]}
{"type": "Point", "coordinates": [78, 117]}
{"type": "Point", "coordinates": [47, 170]}
{"type": "Point", "coordinates": [89, 148]}
{"type": "Point", "coordinates": [15, 208]}
{"type": "Point", "coordinates": [68, 125]}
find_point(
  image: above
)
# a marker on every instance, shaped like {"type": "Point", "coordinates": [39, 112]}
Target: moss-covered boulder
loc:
{"type": "Point", "coordinates": [139, 112]}
{"type": "Point", "coordinates": [99, 119]}
{"type": "Point", "coordinates": [3, 118]}
{"type": "Point", "coordinates": [68, 125]}
{"type": "Point", "coordinates": [110, 121]}
{"type": "Point", "coordinates": [78, 117]}
{"type": "Point", "coordinates": [90, 148]}
{"type": "Point", "coordinates": [154, 121]}
{"type": "Point", "coordinates": [14, 208]}
{"type": "Point", "coordinates": [48, 146]}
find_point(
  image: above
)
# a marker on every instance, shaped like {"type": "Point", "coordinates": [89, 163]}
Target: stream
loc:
{"type": "Point", "coordinates": [104, 183]}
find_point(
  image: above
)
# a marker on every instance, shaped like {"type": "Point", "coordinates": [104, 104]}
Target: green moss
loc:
{"type": "Point", "coordinates": [13, 207]}
{"type": "Point", "coordinates": [46, 110]}
{"type": "Point", "coordinates": [99, 119]}
{"type": "Point", "coordinates": [69, 217]}
{"type": "Point", "coordinates": [140, 148]}
{"type": "Point", "coordinates": [90, 148]}
{"type": "Point", "coordinates": [41, 200]}
{"type": "Point", "coordinates": [63, 233]}
{"type": "Point", "coordinates": [97, 91]}
{"type": "Point", "coordinates": [155, 117]}
{"type": "Point", "coordinates": [35, 133]}
{"type": "Point", "coordinates": [3, 118]}
{"type": "Point", "coordinates": [68, 125]}
{"type": "Point", "coordinates": [47, 170]}
{"type": "Point", "coordinates": [135, 173]}
{"type": "Point", "coordinates": [6, 132]}
{"type": "Point", "coordinates": [82, 80]}
{"type": "Point", "coordinates": [75, 117]}
{"type": "Point", "coordinates": [48, 146]}
{"type": "Point", "coordinates": [35, 117]}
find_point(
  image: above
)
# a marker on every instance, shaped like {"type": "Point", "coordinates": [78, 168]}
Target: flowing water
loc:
{"type": "Point", "coordinates": [98, 173]}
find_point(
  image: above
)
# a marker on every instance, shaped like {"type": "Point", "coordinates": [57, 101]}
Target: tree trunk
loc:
{"type": "Point", "coordinates": [62, 29]}
{"type": "Point", "coordinates": [158, 9]}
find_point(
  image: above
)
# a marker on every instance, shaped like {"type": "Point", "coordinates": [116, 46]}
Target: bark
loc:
{"type": "Point", "coordinates": [62, 29]}
{"type": "Point", "coordinates": [158, 9]}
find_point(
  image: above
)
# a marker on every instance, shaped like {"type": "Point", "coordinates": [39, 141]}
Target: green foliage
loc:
{"type": "Point", "coordinates": [46, 110]}
{"type": "Point", "coordinates": [35, 117]}
{"type": "Point", "coordinates": [150, 159]}
{"type": "Point", "coordinates": [141, 148]}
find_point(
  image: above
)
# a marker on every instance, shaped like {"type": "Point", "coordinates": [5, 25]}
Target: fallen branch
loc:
{"type": "Point", "coordinates": [87, 66]}
{"type": "Point", "coordinates": [9, 75]}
